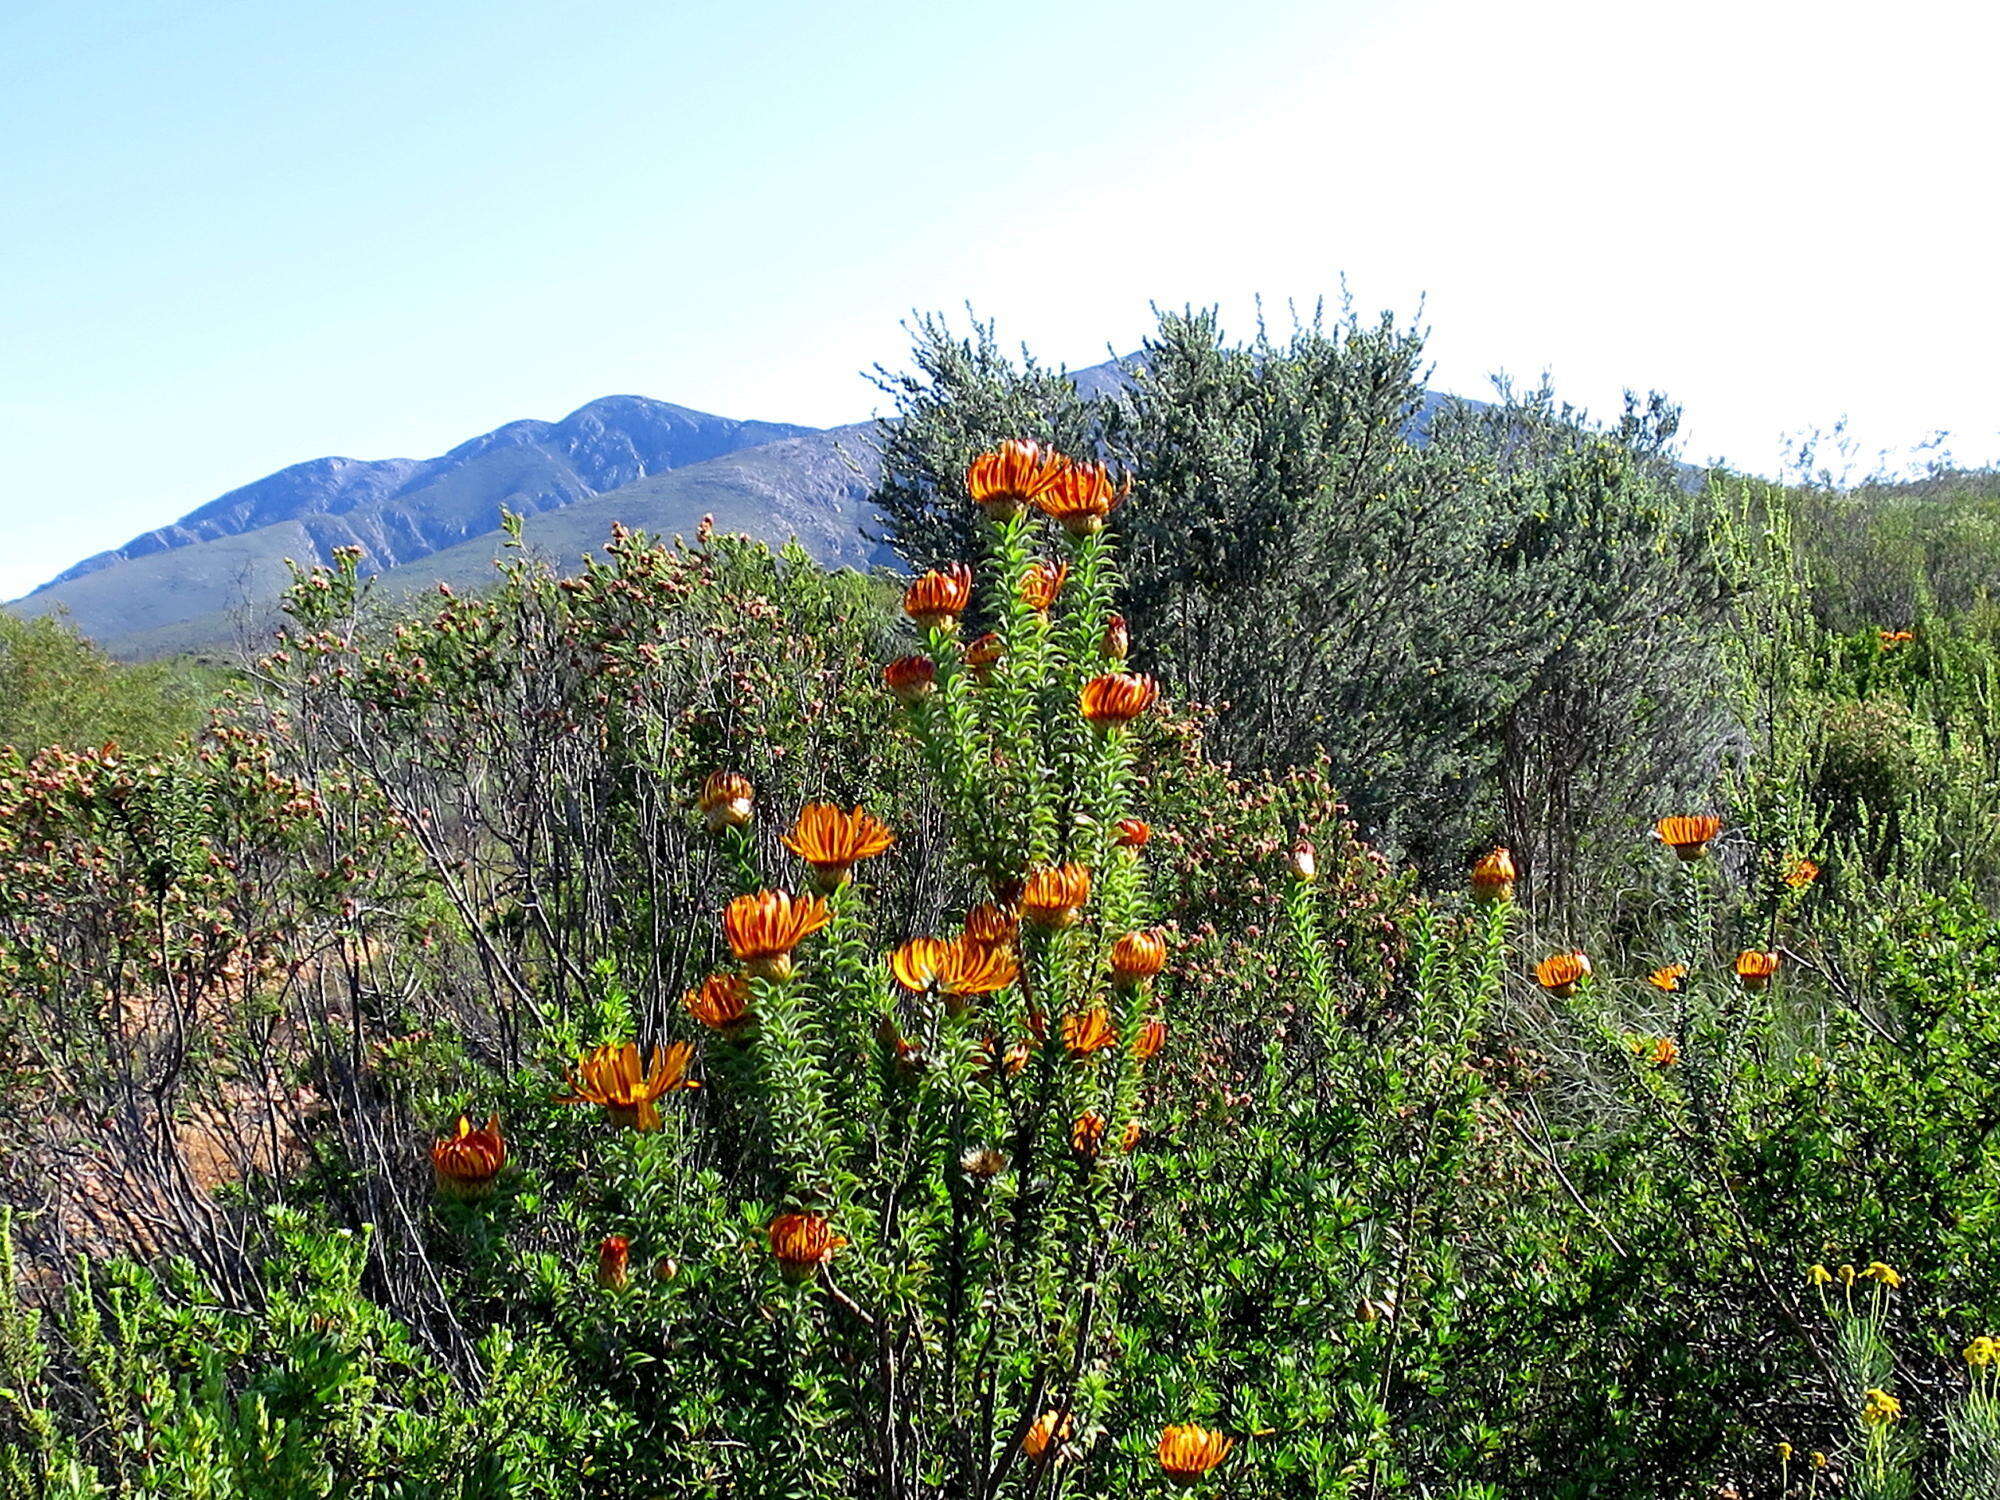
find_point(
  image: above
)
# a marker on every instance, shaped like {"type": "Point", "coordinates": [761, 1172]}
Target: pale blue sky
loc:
{"type": "Point", "coordinates": [241, 235]}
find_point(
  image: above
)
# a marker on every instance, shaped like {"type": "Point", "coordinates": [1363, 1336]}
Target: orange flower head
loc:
{"type": "Point", "coordinates": [1054, 897]}
{"type": "Point", "coordinates": [1891, 639]}
{"type": "Point", "coordinates": [993, 1060]}
{"type": "Point", "coordinates": [1801, 873]}
{"type": "Point", "coordinates": [911, 678]}
{"type": "Point", "coordinates": [722, 1003]}
{"type": "Point", "coordinates": [1754, 969]}
{"type": "Point", "coordinates": [1187, 1452]}
{"type": "Point", "coordinates": [833, 842]}
{"type": "Point", "coordinates": [1133, 833]}
{"type": "Point", "coordinates": [1082, 498]}
{"type": "Point", "coordinates": [992, 924]}
{"type": "Point", "coordinates": [1088, 1032]}
{"type": "Point", "coordinates": [1015, 475]}
{"type": "Point", "coordinates": [1086, 1137]}
{"type": "Point", "coordinates": [802, 1242]}
{"type": "Point", "coordinates": [1559, 972]}
{"type": "Point", "coordinates": [764, 929]}
{"type": "Point", "coordinates": [613, 1078]}
{"type": "Point", "coordinates": [1151, 1038]}
{"type": "Point", "coordinates": [1041, 583]}
{"type": "Point", "coordinates": [915, 964]}
{"type": "Point", "coordinates": [1493, 878]}
{"type": "Point", "coordinates": [1661, 1051]}
{"type": "Point", "coordinates": [939, 597]}
{"type": "Point", "coordinates": [983, 655]}
{"type": "Point", "coordinates": [1117, 698]}
{"type": "Point", "coordinates": [1116, 643]}
{"type": "Point", "coordinates": [1138, 955]}
{"type": "Point", "coordinates": [1050, 1432]}
{"type": "Point", "coordinates": [727, 800]}
{"type": "Point", "coordinates": [466, 1164]}
{"type": "Point", "coordinates": [959, 969]}
{"type": "Point", "coordinates": [1688, 837]}
{"type": "Point", "coordinates": [1671, 977]}
{"type": "Point", "coordinates": [613, 1258]}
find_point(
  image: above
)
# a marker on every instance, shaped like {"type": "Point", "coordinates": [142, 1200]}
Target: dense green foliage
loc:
{"type": "Point", "coordinates": [1394, 1217]}
{"type": "Point", "coordinates": [58, 689]}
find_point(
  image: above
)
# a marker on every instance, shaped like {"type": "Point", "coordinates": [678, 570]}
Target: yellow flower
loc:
{"type": "Point", "coordinates": [1982, 1352]}
{"type": "Point", "coordinates": [1818, 1460]}
{"type": "Point", "coordinates": [1820, 1276]}
{"type": "Point", "coordinates": [1878, 1272]}
{"type": "Point", "coordinates": [1880, 1408]}
{"type": "Point", "coordinates": [1847, 1276]}
{"type": "Point", "coordinates": [613, 1078]}
{"type": "Point", "coordinates": [1784, 1453]}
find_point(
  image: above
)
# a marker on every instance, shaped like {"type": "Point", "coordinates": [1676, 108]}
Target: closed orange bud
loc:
{"type": "Point", "coordinates": [1560, 972]}
{"type": "Point", "coordinates": [983, 655]}
{"type": "Point", "coordinates": [911, 678]}
{"type": "Point", "coordinates": [1137, 956]}
{"type": "Point", "coordinates": [1041, 583]}
{"type": "Point", "coordinates": [1133, 833]}
{"type": "Point", "coordinates": [612, 1258]}
{"type": "Point", "coordinates": [1493, 878]}
{"type": "Point", "coordinates": [467, 1164]}
{"type": "Point", "coordinates": [726, 801]}
{"type": "Point", "coordinates": [1116, 643]}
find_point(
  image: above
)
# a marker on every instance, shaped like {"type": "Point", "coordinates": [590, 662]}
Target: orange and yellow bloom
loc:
{"type": "Point", "coordinates": [803, 1242]}
{"type": "Point", "coordinates": [721, 1003]}
{"type": "Point", "coordinates": [983, 655]}
{"type": "Point", "coordinates": [1088, 1032]}
{"type": "Point", "coordinates": [764, 928]}
{"type": "Point", "coordinates": [1082, 498]}
{"type": "Point", "coordinates": [1115, 699]}
{"type": "Point", "coordinates": [1050, 1431]}
{"type": "Point", "coordinates": [613, 1078]}
{"type": "Point", "coordinates": [1187, 1452]}
{"type": "Point", "coordinates": [1754, 969]}
{"type": "Point", "coordinates": [467, 1163]}
{"type": "Point", "coordinates": [613, 1262]}
{"type": "Point", "coordinates": [939, 597]}
{"type": "Point", "coordinates": [1801, 873]}
{"type": "Point", "coordinates": [1137, 956]}
{"type": "Point", "coordinates": [911, 678]}
{"type": "Point", "coordinates": [1151, 1037]}
{"type": "Point", "coordinates": [1041, 583]}
{"type": "Point", "coordinates": [1688, 837]}
{"type": "Point", "coordinates": [960, 968]}
{"type": "Point", "coordinates": [1669, 977]}
{"type": "Point", "coordinates": [1086, 1137]}
{"type": "Point", "coordinates": [1560, 973]}
{"type": "Point", "coordinates": [1133, 833]}
{"type": "Point", "coordinates": [833, 842]}
{"type": "Point", "coordinates": [1054, 897]}
{"type": "Point", "coordinates": [1013, 476]}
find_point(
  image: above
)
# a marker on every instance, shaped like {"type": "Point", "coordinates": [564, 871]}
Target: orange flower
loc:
{"type": "Point", "coordinates": [1088, 1032]}
{"type": "Point", "coordinates": [467, 1163]}
{"type": "Point", "coordinates": [1054, 897]}
{"type": "Point", "coordinates": [1801, 873]}
{"type": "Point", "coordinates": [958, 969]}
{"type": "Point", "coordinates": [993, 925]}
{"type": "Point", "coordinates": [983, 655]}
{"type": "Point", "coordinates": [1117, 698]}
{"type": "Point", "coordinates": [764, 929]}
{"type": "Point", "coordinates": [613, 1257]}
{"type": "Point", "coordinates": [1138, 955]}
{"type": "Point", "coordinates": [1041, 583]}
{"type": "Point", "coordinates": [1559, 972]}
{"type": "Point", "coordinates": [1493, 878]}
{"type": "Point", "coordinates": [1133, 833]}
{"type": "Point", "coordinates": [1187, 1452]}
{"type": "Point", "coordinates": [1051, 1430]}
{"type": "Point", "coordinates": [721, 1004]}
{"type": "Point", "coordinates": [939, 597]}
{"type": "Point", "coordinates": [1086, 1137]}
{"type": "Point", "coordinates": [612, 1077]}
{"type": "Point", "coordinates": [1015, 475]}
{"type": "Point", "coordinates": [910, 678]}
{"type": "Point", "coordinates": [1664, 1051]}
{"type": "Point", "coordinates": [1013, 1059]}
{"type": "Point", "coordinates": [1081, 497]}
{"type": "Point", "coordinates": [1151, 1038]}
{"type": "Point", "coordinates": [1116, 643]}
{"type": "Point", "coordinates": [832, 841]}
{"type": "Point", "coordinates": [1891, 639]}
{"type": "Point", "coordinates": [1754, 969]}
{"type": "Point", "coordinates": [1688, 837]}
{"type": "Point", "coordinates": [726, 800]}
{"type": "Point", "coordinates": [1672, 978]}
{"type": "Point", "coordinates": [802, 1242]}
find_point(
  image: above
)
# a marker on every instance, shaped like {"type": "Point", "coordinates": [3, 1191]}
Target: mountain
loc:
{"type": "Point", "coordinates": [210, 577]}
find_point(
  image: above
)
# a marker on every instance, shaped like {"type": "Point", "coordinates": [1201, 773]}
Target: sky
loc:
{"type": "Point", "coordinates": [241, 235]}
